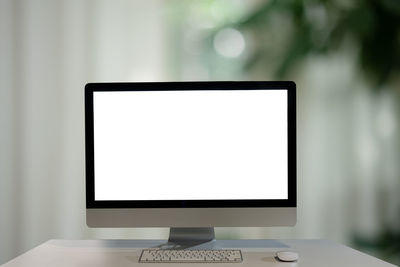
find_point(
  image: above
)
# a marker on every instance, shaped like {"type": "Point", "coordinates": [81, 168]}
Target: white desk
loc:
{"type": "Point", "coordinates": [99, 253]}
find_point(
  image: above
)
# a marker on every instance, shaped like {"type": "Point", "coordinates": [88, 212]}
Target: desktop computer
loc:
{"type": "Point", "coordinates": [190, 156]}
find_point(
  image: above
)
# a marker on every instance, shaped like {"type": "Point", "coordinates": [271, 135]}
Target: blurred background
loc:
{"type": "Point", "coordinates": [343, 55]}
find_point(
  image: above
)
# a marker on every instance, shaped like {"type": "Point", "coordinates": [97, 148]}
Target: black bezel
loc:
{"type": "Point", "coordinates": [171, 86]}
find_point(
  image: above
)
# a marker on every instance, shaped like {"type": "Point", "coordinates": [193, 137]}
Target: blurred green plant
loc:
{"type": "Point", "coordinates": [286, 32]}
{"type": "Point", "coordinates": [323, 26]}
{"type": "Point", "coordinates": [386, 246]}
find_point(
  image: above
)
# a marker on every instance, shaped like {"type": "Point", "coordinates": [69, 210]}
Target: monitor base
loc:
{"type": "Point", "coordinates": [191, 238]}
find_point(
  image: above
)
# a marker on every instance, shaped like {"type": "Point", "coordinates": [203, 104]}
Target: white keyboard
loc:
{"type": "Point", "coordinates": [195, 256]}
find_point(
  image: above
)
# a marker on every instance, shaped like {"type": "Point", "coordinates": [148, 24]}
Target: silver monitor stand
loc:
{"type": "Point", "coordinates": [191, 238]}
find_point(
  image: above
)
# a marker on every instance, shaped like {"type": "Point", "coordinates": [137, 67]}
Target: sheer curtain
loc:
{"type": "Point", "coordinates": [49, 50]}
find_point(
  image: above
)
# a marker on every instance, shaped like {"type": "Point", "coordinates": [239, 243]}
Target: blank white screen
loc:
{"type": "Point", "coordinates": [190, 145]}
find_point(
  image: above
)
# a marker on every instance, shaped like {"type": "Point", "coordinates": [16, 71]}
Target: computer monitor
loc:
{"type": "Point", "coordinates": [190, 156]}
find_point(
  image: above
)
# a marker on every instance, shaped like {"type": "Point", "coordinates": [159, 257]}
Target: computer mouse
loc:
{"type": "Point", "coordinates": [287, 256]}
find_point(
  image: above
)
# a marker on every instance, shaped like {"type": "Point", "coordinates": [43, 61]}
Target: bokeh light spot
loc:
{"type": "Point", "coordinates": [229, 43]}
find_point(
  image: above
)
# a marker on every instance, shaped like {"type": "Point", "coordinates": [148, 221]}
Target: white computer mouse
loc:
{"type": "Point", "coordinates": [287, 256]}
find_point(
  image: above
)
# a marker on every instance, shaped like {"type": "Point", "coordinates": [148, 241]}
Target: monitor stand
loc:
{"type": "Point", "coordinates": [191, 238]}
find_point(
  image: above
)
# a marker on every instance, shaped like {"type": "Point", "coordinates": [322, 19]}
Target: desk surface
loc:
{"type": "Point", "coordinates": [108, 253]}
